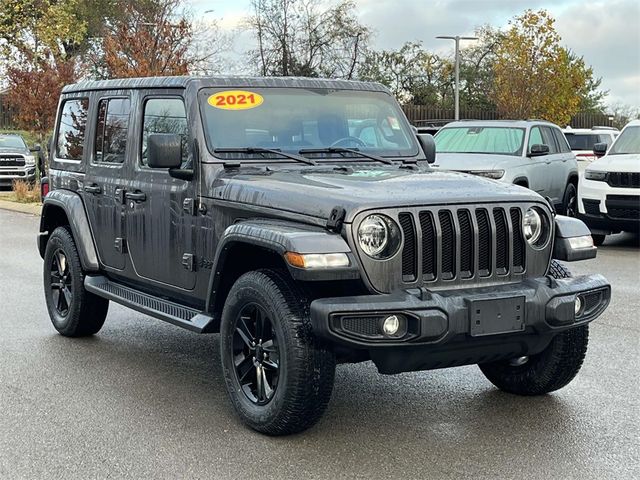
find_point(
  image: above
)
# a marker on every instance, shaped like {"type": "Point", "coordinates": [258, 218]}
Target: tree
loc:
{"type": "Point", "coordinates": [38, 39]}
{"type": "Point", "coordinates": [301, 38]}
{"type": "Point", "coordinates": [535, 77]}
{"type": "Point", "coordinates": [150, 38]}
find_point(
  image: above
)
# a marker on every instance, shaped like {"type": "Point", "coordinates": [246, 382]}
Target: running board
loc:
{"type": "Point", "coordinates": [174, 313]}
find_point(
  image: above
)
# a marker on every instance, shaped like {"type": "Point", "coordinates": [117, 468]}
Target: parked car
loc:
{"type": "Point", "coordinates": [532, 153]}
{"type": "Point", "coordinates": [301, 220]}
{"type": "Point", "coordinates": [582, 140]}
{"type": "Point", "coordinates": [609, 198]}
{"type": "Point", "coordinates": [16, 160]}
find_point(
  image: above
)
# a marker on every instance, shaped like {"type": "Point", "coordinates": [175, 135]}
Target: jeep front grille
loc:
{"type": "Point", "coordinates": [467, 244]}
{"type": "Point", "coordinates": [623, 179]}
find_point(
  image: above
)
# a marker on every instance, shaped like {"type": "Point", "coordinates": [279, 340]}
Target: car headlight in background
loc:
{"type": "Point", "coordinates": [535, 226]}
{"type": "Point", "coordinates": [29, 160]}
{"type": "Point", "coordinates": [595, 175]}
{"type": "Point", "coordinates": [379, 237]}
{"type": "Point", "coordinates": [494, 174]}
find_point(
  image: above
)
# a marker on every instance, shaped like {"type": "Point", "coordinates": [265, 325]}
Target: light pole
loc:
{"type": "Point", "coordinates": [457, 39]}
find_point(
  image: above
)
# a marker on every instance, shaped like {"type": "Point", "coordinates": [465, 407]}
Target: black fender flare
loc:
{"type": "Point", "coordinates": [73, 207]}
{"type": "Point", "coordinates": [279, 237]}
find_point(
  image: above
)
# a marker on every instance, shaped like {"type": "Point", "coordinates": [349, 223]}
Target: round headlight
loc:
{"type": "Point", "coordinates": [378, 236]}
{"type": "Point", "coordinates": [532, 226]}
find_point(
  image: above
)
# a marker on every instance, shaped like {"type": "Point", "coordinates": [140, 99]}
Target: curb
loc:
{"type": "Point", "coordinates": [28, 208]}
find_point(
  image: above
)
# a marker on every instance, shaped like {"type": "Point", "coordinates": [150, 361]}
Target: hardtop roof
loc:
{"type": "Point", "coordinates": [222, 82]}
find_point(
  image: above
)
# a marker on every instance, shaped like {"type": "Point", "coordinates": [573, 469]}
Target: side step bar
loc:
{"type": "Point", "coordinates": [160, 308]}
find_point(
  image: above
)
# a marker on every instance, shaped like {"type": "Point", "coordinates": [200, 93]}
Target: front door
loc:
{"type": "Point", "coordinates": [159, 224]}
{"type": "Point", "coordinates": [537, 168]}
{"type": "Point", "coordinates": [106, 171]}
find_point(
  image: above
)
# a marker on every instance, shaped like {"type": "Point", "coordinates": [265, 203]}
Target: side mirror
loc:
{"type": "Point", "coordinates": [428, 146]}
{"type": "Point", "coordinates": [164, 150]}
{"type": "Point", "coordinates": [36, 148]}
{"type": "Point", "coordinates": [600, 149]}
{"type": "Point", "coordinates": [539, 150]}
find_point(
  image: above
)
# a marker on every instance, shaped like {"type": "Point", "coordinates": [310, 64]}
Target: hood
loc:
{"type": "Point", "coordinates": [316, 191]}
{"type": "Point", "coordinates": [617, 163]}
{"type": "Point", "coordinates": [20, 151]}
{"type": "Point", "coordinates": [477, 161]}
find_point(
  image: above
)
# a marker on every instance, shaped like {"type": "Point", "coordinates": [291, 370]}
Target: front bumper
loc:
{"type": "Point", "coordinates": [607, 209]}
{"type": "Point", "coordinates": [464, 326]}
{"type": "Point", "coordinates": [7, 177]}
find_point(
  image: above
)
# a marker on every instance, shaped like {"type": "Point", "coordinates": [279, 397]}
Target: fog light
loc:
{"type": "Point", "coordinates": [578, 305]}
{"type": "Point", "coordinates": [391, 325]}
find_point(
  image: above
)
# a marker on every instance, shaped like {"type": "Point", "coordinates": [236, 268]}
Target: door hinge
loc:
{"type": "Point", "coordinates": [190, 205]}
{"type": "Point", "coordinates": [120, 245]}
{"type": "Point", "coordinates": [188, 262]}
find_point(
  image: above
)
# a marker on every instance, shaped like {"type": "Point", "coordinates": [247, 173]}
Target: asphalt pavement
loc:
{"type": "Point", "coordinates": [144, 399]}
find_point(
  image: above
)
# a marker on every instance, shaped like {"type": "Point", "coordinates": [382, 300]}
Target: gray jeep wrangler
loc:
{"type": "Point", "coordinates": [300, 219]}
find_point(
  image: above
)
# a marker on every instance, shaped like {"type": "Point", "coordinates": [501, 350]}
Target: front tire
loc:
{"type": "Point", "coordinates": [279, 377]}
{"type": "Point", "coordinates": [549, 370]}
{"type": "Point", "coordinates": [74, 311]}
{"type": "Point", "coordinates": [570, 201]}
{"type": "Point", "coordinates": [598, 239]}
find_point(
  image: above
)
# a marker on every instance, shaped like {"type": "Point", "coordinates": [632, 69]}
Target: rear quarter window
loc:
{"type": "Point", "coordinates": [72, 127]}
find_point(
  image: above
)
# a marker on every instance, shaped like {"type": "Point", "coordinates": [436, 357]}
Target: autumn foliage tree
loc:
{"type": "Point", "coordinates": [149, 39]}
{"type": "Point", "coordinates": [38, 40]}
{"type": "Point", "coordinates": [535, 77]}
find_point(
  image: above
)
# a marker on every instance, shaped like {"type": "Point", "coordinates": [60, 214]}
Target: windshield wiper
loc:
{"type": "Point", "coordinates": [345, 150]}
{"type": "Point", "coordinates": [263, 151]}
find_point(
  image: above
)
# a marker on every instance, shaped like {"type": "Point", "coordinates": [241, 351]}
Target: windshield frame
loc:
{"type": "Point", "coordinates": [617, 140]}
{"type": "Point", "coordinates": [517, 153]}
{"type": "Point", "coordinates": [19, 138]}
{"type": "Point", "coordinates": [204, 92]}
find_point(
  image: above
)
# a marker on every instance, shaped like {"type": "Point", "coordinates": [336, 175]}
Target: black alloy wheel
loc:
{"type": "Point", "coordinates": [61, 283]}
{"type": "Point", "coordinates": [256, 354]}
{"type": "Point", "coordinates": [571, 201]}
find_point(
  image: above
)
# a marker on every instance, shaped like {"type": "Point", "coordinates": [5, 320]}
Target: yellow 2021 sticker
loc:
{"type": "Point", "coordinates": [235, 100]}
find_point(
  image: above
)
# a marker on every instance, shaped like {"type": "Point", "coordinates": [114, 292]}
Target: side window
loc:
{"type": "Point", "coordinates": [535, 138]}
{"type": "Point", "coordinates": [561, 140]}
{"type": "Point", "coordinates": [165, 115]}
{"type": "Point", "coordinates": [71, 129]}
{"type": "Point", "coordinates": [549, 139]}
{"type": "Point", "coordinates": [112, 129]}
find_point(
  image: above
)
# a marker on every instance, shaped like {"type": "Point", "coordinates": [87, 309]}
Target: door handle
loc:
{"type": "Point", "coordinates": [136, 197]}
{"type": "Point", "coordinates": [93, 188]}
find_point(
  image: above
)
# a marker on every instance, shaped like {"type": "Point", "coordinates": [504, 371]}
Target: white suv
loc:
{"type": "Point", "coordinates": [582, 140]}
{"type": "Point", "coordinates": [609, 190]}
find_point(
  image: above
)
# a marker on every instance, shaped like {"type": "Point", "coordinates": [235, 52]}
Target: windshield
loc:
{"type": "Point", "coordinates": [12, 141]}
{"type": "Point", "coordinates": [627, 142]}
{"type": "Point", "coordinates": [585, 141]}
{"type": "Point", "coordinates": [294, 119]}
{"type": "Point", "coordinates": [496, 140]}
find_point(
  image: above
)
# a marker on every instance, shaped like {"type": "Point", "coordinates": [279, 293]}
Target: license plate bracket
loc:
{"type": "Point", "coordinates": [493, 316]}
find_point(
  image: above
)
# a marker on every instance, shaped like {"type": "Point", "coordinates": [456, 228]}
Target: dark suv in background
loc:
{"type": "Point", "coordinates": [300, 219]}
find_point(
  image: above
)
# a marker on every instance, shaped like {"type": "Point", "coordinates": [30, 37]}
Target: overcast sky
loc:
{"type": "Point", "coordinates": [606, 33]}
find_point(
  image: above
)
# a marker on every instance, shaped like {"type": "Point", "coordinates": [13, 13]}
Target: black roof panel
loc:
{"type": "Point", "coordinates": [224, 82]}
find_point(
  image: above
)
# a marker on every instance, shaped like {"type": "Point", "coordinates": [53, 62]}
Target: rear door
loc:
{"type": "Point", "coordinates": [160, 225]}
{"type": "Point", "coordinates": [105, 174]}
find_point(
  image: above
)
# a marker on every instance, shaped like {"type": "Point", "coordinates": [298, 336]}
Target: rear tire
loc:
{"type": "Point", "coordinates": [549, 370]}
{"type": "Point", "coordinates": [279, 377]}
{"type": "Point", "coordinates": [598, 239]}
{"type": "Point", "coordinates": [74, 311]}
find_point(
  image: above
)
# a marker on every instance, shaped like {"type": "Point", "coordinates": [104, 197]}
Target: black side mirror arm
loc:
{"type": "Point", "coordinates": [182, 173]}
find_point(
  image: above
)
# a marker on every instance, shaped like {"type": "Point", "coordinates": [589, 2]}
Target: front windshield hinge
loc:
{"type": "Point", "coordinates": [231, 164]}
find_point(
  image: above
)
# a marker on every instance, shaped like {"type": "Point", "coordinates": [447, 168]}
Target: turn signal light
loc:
{"type": "Point", "coordinates": [317, 260]}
